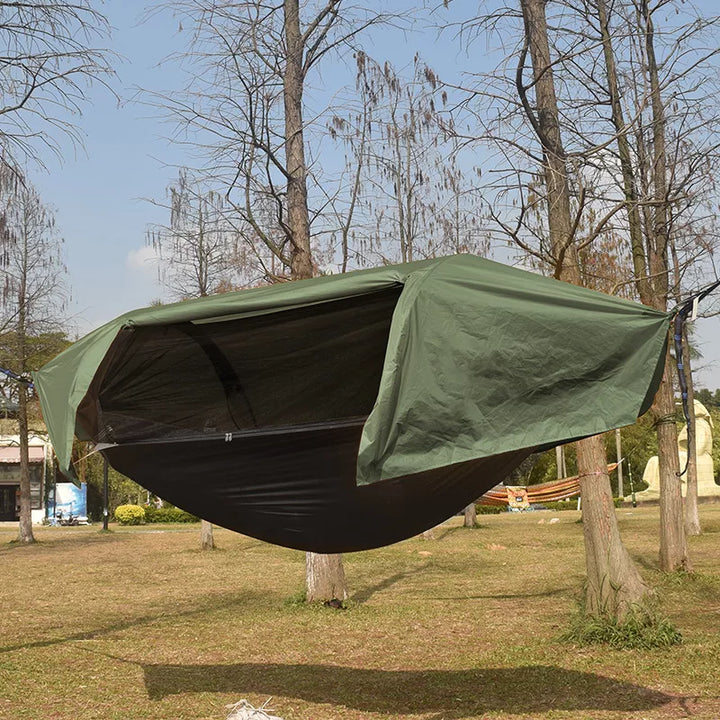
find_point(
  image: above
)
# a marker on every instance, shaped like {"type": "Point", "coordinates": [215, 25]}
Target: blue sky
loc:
{"type": "Point", "coordinates": [100, 195]}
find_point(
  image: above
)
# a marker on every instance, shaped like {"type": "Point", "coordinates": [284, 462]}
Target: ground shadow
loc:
{"type": "Point", "coordinates": [555, 592]}
{"type": "Point", "coordinates": [452, 694]}
{"type": "Point", "coordinates": [202, 608]}
{"type": "Point", "coordinates": [366, 593]}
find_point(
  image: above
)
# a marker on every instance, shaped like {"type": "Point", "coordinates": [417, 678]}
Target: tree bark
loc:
{"type": "Point", "coordinates": [470, 516]}
{"type": "Point", "coordinates": [324, 578]}
{"type": "Point", "coordinates": [207, 541]}
{"type": "Point", "coordinates": [613, 583]}
{"type": "Point", "coordinates": [298, 222]}
{"type": "Point", "coordinates": [692, 515]}
{"type": "Point", "coordinates": [673, 543]}
{"type": "Point", "coordinates": [25, 531]}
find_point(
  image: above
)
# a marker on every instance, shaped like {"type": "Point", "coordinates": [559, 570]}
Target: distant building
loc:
{"type": "Point", "coordinates": [10, 477]}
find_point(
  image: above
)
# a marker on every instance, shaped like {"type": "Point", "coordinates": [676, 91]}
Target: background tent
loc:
{"type": "Point", "coordinates": [349, 411]}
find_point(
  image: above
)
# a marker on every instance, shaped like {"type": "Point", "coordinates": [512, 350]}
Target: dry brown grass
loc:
{"type": "Point", "coordinates": [139, 623]}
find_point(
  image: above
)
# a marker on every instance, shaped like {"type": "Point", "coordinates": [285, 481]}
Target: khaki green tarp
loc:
{"type": "Point", "coordinates": [434, 364]}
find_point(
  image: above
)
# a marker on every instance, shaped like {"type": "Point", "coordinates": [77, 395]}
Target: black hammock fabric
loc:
{"type": "Point", "coordinates": [349, 412]}
{"type": "Point", "coordinates": [296, 486]}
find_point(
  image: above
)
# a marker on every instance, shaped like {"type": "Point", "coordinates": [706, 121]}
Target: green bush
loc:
{"type": "Point", "coordinates": [558, 505]}
{"type": "Point", "coordinates": [490, 509]}
{"type": "Point", "coordinates": [130, 514]}
{"type": "Point", "coordinates": [169, 514]}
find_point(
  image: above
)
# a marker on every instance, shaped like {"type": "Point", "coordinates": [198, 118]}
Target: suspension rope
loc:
{"type": "Point", "coordinates": [681, 315]}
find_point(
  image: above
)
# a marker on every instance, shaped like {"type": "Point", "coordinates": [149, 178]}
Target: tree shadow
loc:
{"type": "Point", "coordinates": [364, 595]}
{"type": "Point", "coordinates": [451, 694]}
{"type": "Point", "coordinates": [211, 604]}
{"type": "Point", "coordinates": [555, 592]}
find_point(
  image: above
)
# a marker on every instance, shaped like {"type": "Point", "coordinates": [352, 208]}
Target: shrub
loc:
{"type": "Point", "coordinates": [169, 514]}
{"type": "Point", "coordinates": [130, 514]}
{"type": "Point", "coordinates": [490, 509]}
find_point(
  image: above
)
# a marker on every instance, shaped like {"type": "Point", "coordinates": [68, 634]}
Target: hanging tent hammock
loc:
{"type": "Point", "coordinates": [352, 411]}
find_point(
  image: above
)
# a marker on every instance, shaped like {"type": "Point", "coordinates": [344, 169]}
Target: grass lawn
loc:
{"type": "Point", "coordinates": [139, 623]}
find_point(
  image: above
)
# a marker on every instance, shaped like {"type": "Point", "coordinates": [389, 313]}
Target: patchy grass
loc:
{"type": "Point", "coordinates": [140, 624]}
{"type": "Point", "coordinates": [642, 629]}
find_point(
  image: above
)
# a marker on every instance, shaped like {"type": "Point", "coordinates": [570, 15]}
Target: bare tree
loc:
{"type": "Point", "coordinates": [613, 583]}
{"type": "Point", "coordinates": [197, 256]}
{"type": "Point", "coordinates": [47, 63]}
{"type": "Point", "coordinates": [639, 118]}
{"type": "Point", "coordinates": [543, 197]}
{"type": "Point", "coordinates": [32, 301]}
{"type": "Point", "coordinates": [409, 197]}
{"type": "Point", "coordinates": [244, 110]}
{"type": "Point", "coordinates": [200, 251]}
{"type": "Point", "coordinates": [667, 154]}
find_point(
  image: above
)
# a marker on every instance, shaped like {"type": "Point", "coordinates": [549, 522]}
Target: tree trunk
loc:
{"type": "Point", "coordinates": [692, 516]}
{"type": "Point", "coordinates": [298, 222]}
{"type": "Point", "coordinates": [613, 582]}
{"type": "Point", "coordinates": [207, 541]}
{"type": "Point", "coordinates": [25, 531]}
{"type": "Point", "coordinates": [619, 458]}
{"type": "Point", "coordinates": [673, 544]}
{"type": "Point", "coordinates": [470, 516]}
{"type": "Point", "coordinates": [324, 578]}
{"type": "Point", "coordinates": [637, 243]}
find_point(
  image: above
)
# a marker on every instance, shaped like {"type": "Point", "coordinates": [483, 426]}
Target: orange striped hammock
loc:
{"type": "Point", "coordinates": [519, 496]}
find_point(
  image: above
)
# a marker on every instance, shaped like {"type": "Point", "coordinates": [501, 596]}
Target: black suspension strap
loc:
{"type": "Point", "coordinates": [681, 315]}
{"type": "Point", "coordinates": [18, 378]}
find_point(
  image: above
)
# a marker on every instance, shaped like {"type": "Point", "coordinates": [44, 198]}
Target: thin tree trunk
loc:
{"type": "Point", "coordinates": [324, 578]}
{"type": "Point", "coordinates": [637, 243]}
{"type": "Point", "coordinates": [470, 520]}
{"type": "Point", "coordinates": [692, 516]}
{"type": "Point", "coordinates": [298, 222]}
{"type": "Point", "coordinates": [673, 543]}
{"type": "Point", "coordinates": [613, 582]}
{"type": "Point", "coordinates": [207, 541]}
{"type": "Point", "coordinates": [25, 531]}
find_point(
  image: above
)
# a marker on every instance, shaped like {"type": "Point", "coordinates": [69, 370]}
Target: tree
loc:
{"type": "Point", "coordinates": [47, 63]}
{"type": "Point", "coordinates": [198, 249]}
{"type": "Point", "coordinates": [244, 108]}
{"type": "Point", "coordinates": [639, 114]}
{"type": "Point", "coordinates": [196, 254]}
{"type": "Point", "coordinates": [667, 156]}
{"type": "Point", "coordinates": [556, 222]}
{"type": "Point", "coordinates": [32, 301]}
{"type": "Point", "coordinates": [613, 583]}
{"type": "Point", "coordinates": [409, 197]}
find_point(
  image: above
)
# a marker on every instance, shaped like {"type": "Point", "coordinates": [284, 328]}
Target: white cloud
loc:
{"type": "Point", "coordinates": [143, 260]}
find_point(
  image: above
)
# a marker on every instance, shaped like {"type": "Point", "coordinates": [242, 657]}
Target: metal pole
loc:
{"type": "Point", "coordinates": [618, 450]}
{"type": "Point", "coordinates": [105, 493]}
